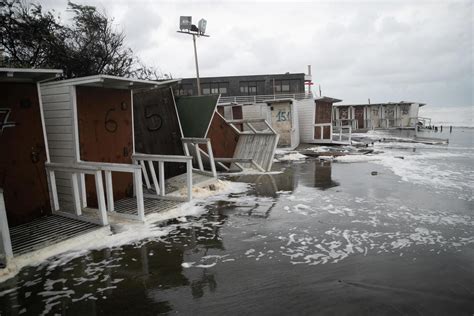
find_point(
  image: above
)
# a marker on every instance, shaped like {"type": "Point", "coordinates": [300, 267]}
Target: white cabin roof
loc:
{"type": "Point", "coordinates": [106, 81]}
{"type": "Point", "coordinates": [387, 103]}
{"type": "Point", "coordinates": [28, 74]}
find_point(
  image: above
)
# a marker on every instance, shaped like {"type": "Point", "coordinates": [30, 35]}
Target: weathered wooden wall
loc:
{"type": "Point", "coordinates": [22, 154]}
{"type": "Point", "coordinates": [157, 129]}
{"type": "Point", "coordinates": [359, 116]}
{"type": "Point", "coordinates": [105, 134]}
{"type": "Point", "coordinates": [282, 122]}
{"type": "Point", "coordinates": [223, 138]}
{"type": "Point", "coordinates": [323, 115]}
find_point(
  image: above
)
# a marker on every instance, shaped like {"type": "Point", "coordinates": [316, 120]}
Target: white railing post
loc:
{"type": "Point", "coordinates": [110, 190]}
{"type": "Point", "coordinates": [161, 174]}
{"type": "Point", "coordinates": [137, 179]}
{"type": "Point", "coordinates": [350, 134]}
{"type": "Point", "coordinates": [156, 185]}
{"type": "Point", "coordinates": [189, 178]}
{"type": "Point", "coordinates": [186, 149]}
{"type": "Point", "coordinates": [211, 159]}
{"type": "Point", "coordinates": [198, 156]}
{"type": "Point", "coordinates": [145, 174]}
{"type": "Point", "coordinates": [340, 133]}
{"type": "Point", "coordinates": [4, 229]}
{"type": "Point", "coordinates": [54, 190]}
{"type": "Point", "coordinates": [76, 194]}
{"type": "Point", "coordinates": [100, 197]}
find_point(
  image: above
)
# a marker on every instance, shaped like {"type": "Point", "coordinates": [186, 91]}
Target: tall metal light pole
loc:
{"type": "Point", "coordinates": [186, 27]}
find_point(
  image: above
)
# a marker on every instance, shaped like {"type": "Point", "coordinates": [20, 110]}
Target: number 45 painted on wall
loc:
{"type": "Point", "coordinates": [283, 116]}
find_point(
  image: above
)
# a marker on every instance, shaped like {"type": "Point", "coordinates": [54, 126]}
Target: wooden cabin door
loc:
{"type": "Point", "coordinates": [323, 121]}
{"type": "Point", "coordinates": [281, 122]}
{"type": "Point", "coordinates": [359, 116]}
{"type": "Point", "coordinates": [157, 129]}
{"type": "Point", "coordinates": [105, 134]}
{"type": "Point", "coordinates": [22, 154]}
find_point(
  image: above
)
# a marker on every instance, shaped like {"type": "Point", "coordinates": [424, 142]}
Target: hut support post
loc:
{"type": "Point", "coordinates": [100, 198]}
{"type": "Point", "coordinates": [83, 190]}
{"type": "Point", "coordinates": [4, 230]}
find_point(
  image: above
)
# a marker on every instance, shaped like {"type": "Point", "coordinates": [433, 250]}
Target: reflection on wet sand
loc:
{"type": "Point", "coordinates": [318, 174]}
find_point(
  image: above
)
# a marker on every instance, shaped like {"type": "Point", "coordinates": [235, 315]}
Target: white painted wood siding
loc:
{"type": "Point", "coordinates": [306, 109]}
{"type": "Point", "coordinates": [58, 118]}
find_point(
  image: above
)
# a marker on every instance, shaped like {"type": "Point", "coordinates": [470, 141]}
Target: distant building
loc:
{"type": "Point", "coordinates": [244, 85]}
{"type": "Point", "coordinates": [401, 114]}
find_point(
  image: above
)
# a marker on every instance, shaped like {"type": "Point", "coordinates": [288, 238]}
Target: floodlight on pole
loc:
{"type": "Point", "coordinates": [187, 27]}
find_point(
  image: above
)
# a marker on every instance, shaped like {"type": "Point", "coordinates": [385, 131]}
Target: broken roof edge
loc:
{"type": "Point", "coordinates": [28, 74]}
{"type": "Point", "coordinates": [108, 81]}
{"type": "Point", "coordinates": [386, 103]}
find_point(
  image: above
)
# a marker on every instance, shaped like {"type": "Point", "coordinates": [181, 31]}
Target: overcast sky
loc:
{"type": "Point", "coordinates": [382, 50]}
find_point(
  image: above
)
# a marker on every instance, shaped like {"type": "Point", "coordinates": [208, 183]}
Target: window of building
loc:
{"type": "Point", "coordinates": [215, 88]}
{"type": "Point", "coordinates": [282, 86]}
{"type": "Point", "coordinates": [248, 87]}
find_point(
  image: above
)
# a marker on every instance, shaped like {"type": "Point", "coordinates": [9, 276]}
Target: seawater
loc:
{"type": "Point", "coordinates": [390, 235]}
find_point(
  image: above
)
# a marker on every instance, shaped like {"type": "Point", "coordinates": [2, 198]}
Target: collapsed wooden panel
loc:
{"type": "Point", "coordinates": [195, 114]}
{"type": "Point", "coordinates": [157, 129]}
{"type": "Point", "coordinates": [23, 154]}
{"type": "Point", "coordinates": [223, 137]}
{"type": "Point", "coordinates": [105, 134]}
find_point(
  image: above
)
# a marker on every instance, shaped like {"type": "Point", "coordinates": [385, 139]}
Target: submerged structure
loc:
{"type": "Point", "coordinates": [402, 115]}
{"type": "Point", "coordinates": [236, 144]}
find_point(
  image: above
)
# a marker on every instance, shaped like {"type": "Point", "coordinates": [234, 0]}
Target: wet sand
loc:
{"type": "Point", "coordinates": [320, 238]}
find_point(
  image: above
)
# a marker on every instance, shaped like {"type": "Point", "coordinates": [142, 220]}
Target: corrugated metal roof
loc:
{"type": "Point", "coordinates": [327, 99]}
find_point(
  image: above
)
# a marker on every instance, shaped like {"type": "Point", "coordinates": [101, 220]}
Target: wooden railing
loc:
{"type": "Point", "coordinates": [79, 201]}
{"type": "Point", "coordinates": [199, 152]}
{"type": "Point", "coordinates": [6, 244]}
{"type": "Point", "coordinates": [251, 129]}
{"type": "Point", "coordinates": [146, 164]}
{"type": "Point", "coordinates": [341, 133]}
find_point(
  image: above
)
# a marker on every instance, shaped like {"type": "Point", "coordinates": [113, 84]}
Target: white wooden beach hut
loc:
{"type": "Point", "coordinates": [26, 221]}
{"type": "Point", "coordinates": [90, 126]}
{"type": "Point", "coordinates": [315, 119]}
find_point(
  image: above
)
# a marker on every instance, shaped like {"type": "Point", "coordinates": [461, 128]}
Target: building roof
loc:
{"type": "Point", "coordinates": [106, 81]}
{"type": "Point", "coordinates": [28, 74]}
{"type": "Point", "coordinates": [242, 76]}
{"type": "Point", "coordinates": [327, 99]}
{"type": "Point", "coordinates": [387, 103]}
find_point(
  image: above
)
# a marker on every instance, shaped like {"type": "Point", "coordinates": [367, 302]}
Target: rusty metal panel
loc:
{"type": "Point", "coordinates": [105, 134]}
{"type": "Point", "coordinates": [22, 154]}
{"type": "Point", "coordinates": [223, 138]}
{"type": "Point", "coordinates": [157, 128]}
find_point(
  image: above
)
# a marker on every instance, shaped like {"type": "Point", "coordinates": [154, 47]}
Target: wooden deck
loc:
{"type": "Point", "coordinates": [129, 206]}
{"type": "Point", "coordinates": [46, 231]}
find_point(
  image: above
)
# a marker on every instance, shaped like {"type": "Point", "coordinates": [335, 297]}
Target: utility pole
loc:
{"type": "Point", "coordinates": [185, 23]}
{"type": "Point", "coordinates": [197, 65]}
